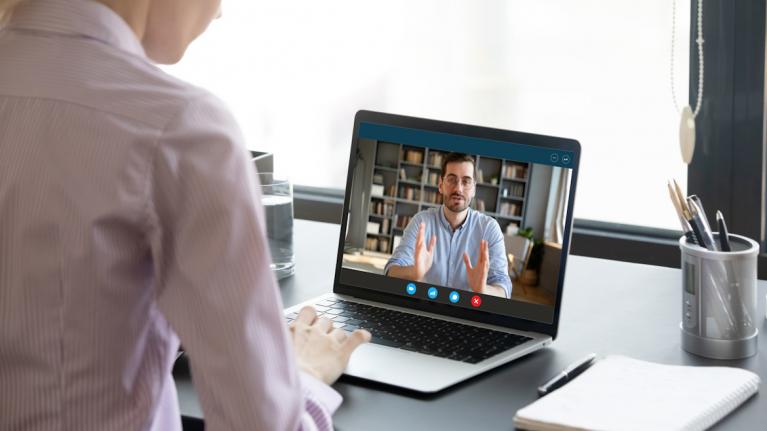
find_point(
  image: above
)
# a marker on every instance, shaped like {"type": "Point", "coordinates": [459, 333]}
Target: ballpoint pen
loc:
{"type": "Point", "coordinates": [741, 313]}
{"type": "Point", "coordinates": [701, 211]}
{"type": "Point", "coordinates": [680, 200]}
{"type": "Point", "coordinates": [688, 233]}
{"type": "Point", "coordinates": [569, 373]}
{"type": "Point", "coordinates": [680, 196]}
{"type": "Point", "coordinates": [724, 235]}
{"type": "Point", "coordinates": [698, 218]}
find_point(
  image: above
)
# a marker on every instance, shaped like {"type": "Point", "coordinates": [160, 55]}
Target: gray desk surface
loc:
{"type": "Point", "coordinates": [608, 307]}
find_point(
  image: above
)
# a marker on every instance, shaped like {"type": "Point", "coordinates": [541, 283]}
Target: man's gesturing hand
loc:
{"type": "Point", "coordinates": [423, 256]}
{"type": "Point", "coordinates": [477, 275]}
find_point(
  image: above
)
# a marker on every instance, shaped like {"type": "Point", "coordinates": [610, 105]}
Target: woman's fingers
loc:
{"type": "Point", "coordinates": [307, 315]}
{"type": "Point", "coordinates": [324, 325]}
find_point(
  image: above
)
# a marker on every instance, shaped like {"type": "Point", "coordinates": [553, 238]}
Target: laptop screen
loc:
{"type": "Point", "coordinates": [458, 219]}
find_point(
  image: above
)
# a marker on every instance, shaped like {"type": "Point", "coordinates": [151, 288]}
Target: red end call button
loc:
{"type": "Point", "coordinates": [476, 301]}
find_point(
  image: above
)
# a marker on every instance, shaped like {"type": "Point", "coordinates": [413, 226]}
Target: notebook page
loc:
{"type": "Point", "coordinates": [628, 394]}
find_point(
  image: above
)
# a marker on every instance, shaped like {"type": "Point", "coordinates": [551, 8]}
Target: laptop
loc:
{"type": "Point", "coordinates": [434, 325]}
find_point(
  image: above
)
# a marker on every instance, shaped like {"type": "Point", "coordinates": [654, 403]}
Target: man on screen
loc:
{"type": "Point", "coordinates": [465, 248]}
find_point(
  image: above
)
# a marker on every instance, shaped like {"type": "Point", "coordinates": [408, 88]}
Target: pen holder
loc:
{"type": "Point", "coordinates": [719, 299]}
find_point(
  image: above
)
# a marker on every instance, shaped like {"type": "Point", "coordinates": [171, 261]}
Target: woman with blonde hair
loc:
{"type": "Point", "coordinates": [129, 219]}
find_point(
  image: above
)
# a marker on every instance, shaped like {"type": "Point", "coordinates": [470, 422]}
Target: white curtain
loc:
{"type": "Point", "coordinates": [557, 205]}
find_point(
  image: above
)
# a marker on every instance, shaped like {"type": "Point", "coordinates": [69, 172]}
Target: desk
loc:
{"type": "Point", "coordinates": [608, 307]}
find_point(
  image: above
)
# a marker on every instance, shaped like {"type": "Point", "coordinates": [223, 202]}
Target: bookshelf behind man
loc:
{"type": "Point", "coordinates": [405, 181]}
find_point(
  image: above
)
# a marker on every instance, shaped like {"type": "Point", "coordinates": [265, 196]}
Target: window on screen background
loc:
{"type": "Point", "coordinates": [294, 73]}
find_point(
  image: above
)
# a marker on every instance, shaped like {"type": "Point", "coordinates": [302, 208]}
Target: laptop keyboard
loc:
{"type": "Point", "coordinates": [416, 333]}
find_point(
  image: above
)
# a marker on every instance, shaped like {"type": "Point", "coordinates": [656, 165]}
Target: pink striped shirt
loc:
{"type": "Point", "coordinates": [129, 213]}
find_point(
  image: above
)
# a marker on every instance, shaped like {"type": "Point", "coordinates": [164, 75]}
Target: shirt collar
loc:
{"type": "Point", "coordinates": [85, 18]}
{"type": "Point", "coordinates": [446, 224]}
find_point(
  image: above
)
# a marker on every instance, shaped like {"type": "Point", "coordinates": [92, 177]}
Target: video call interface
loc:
{"type": "Point", "coordinates": [458, 220]}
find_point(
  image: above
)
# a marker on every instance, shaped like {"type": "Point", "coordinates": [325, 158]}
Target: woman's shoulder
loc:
{"type": "Point", "coordinates": [160, 95]}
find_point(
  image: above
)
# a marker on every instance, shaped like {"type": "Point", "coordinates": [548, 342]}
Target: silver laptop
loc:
{"type": "Point", "coordinates": [453, 247]}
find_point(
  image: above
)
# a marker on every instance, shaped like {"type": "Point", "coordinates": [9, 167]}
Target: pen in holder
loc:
{"type": "Point", "coordinates": [719, 299]}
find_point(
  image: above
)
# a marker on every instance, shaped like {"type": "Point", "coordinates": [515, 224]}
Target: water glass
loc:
{"type": "Point", "coordinates": [277, 199]}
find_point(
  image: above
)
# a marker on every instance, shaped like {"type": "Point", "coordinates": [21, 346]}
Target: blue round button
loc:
{"type": "Point", "coordinates": [433, 292]}
{"type": "Point", "coordinates": [410, 289]}
{"type": "Point", "coordinates": [454, 297]}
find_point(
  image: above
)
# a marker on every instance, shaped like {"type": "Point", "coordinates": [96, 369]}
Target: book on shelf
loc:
{"type": "Point", "coordinates": [511, 209]}
{"type": "Point", "coordinates": [434, 178]}
{"type": "Point", "coordinates": [373, 227]}
{"type": "Point", "coordinates": [371, 243]}
{"type": "Point", "coordinates": [388, 209]}
{"type": "Point", "coordinates": [391, 190]}
{"type": "Point", "coordinates": [522, 174]}
{"type": "Point", "coordinates": [378, 179]}
{"type": "Point", "coordinates": [515, 170]}
{"type": "Point", "coordinates": [513, 191]}
{"type": "Point", "coordinates": [385, 226]}
{"type": "Point", "coordinates": [383, 245]}
{"type": "Point", "coordinates": [381, 209]}
{"type": "Point", "coordinates": [413, 156]}
{"type": "Point", "coordinates": [402, 221]}
{"type": "Point", "coordinates": [435, 159]}
{"type": "Point", "coordinates": [402, 174]}
{"type": "Point", "coordinates": [508, 171]}
{"type": "Point", "coordinates": [518, 190]}
{"type": "Point", "coordinates": [410, 193]}
{"type": "Point", "coordinates": [480, 176]}
{"type": "Point", "coordinates": [432, 196]}
{"type": "Point", "coordinates": [376, 190]}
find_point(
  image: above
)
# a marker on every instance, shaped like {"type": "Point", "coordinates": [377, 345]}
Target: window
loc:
{"type": "Point", "coordinates": [295, 72]}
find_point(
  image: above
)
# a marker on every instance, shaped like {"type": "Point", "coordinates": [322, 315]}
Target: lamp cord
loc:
{"type": "Point", "coordinates": [699, 41]}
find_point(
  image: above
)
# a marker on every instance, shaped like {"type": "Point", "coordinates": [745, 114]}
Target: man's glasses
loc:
{"type": "Point", "coordinates": [466, 182]}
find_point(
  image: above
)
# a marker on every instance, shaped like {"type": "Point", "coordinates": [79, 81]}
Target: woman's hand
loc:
{"type": "Point", "coordinates": [321, 350]}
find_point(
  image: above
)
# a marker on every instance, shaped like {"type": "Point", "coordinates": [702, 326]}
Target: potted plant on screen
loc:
{"type": "Point", "coordinates": [529, 274]}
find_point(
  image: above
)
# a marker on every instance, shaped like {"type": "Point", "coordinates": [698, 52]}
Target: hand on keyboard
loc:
{"type": "Point", "coordinates": [321, 350]}
{"type": "Point", "coordinates": [408, 331]}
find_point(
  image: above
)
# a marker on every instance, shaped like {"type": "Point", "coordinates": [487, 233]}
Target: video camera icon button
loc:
{"type": "Point", "coordinates": [454, 297]}
{"type": "Point", "coordinates": [410, 289]}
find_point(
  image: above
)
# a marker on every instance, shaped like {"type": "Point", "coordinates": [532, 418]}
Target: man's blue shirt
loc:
{"type": "Point", "coordinates": [448, 268]}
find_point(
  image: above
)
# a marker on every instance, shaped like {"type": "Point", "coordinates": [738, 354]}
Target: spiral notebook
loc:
{"type": "Point", "coordinates": [620, 393]}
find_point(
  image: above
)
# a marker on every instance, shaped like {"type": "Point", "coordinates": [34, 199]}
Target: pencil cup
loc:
{"type": "Point", "coordinates": [719, 299]}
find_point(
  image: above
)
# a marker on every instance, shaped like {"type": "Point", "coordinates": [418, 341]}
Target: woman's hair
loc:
{"type": "Point", "coordinates": [6, 8]}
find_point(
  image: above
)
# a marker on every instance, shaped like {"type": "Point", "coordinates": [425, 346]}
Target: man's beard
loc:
{"type": "Point", "coordinates": [456, 206]}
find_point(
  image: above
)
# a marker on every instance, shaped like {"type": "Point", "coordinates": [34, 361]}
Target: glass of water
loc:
{"type": "Point", "coordinates": [277, 199]}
